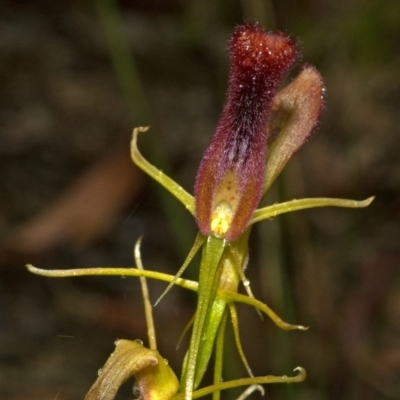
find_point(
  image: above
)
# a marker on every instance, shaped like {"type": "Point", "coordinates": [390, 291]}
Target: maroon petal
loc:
{"type": "Point", "coordinates": [231, 174]}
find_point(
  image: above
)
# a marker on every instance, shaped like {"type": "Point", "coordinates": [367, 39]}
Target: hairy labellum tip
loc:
{"type": "Point", "coordinates": [251, 47]}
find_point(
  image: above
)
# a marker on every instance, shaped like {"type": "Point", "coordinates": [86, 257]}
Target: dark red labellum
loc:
{"type": "Point", "coordinates": [231, 174]}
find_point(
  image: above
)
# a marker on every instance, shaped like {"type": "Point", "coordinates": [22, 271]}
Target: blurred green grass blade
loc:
{"type": "Point", "coordinates": [134, 94]}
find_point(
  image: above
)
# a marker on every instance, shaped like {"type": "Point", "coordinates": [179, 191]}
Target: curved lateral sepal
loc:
{"type": "Point", "coordinates": [303, 204]}
{"type": "Point", "coordinates": [164, 180]}
{"type": "Point", "coordinates": [185, 283]}
{"type": "Point", "coordinates": [235, 325]}
{"type": "Point", "coordinates": [104, 271]}
{"type": "Point", "coordinates": [240, 298]}
{"type": "Point", "coordinates": [258, 380]}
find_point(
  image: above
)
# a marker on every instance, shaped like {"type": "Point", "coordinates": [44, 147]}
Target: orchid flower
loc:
{"type": "Point", "coordinates": [259, 130]}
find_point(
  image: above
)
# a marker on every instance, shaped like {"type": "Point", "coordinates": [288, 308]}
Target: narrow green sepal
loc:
{"type": "Point", "coordinates": [302, 204]}
{"type": "Point", "coordinates": [199, 241]}
{"type": "Point", "coordinates": [164, 180]}
{"type": "Point", "coordinates": [258, 380]}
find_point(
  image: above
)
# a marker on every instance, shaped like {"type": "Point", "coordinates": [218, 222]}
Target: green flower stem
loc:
{"type": "Point", "coordinates": [212, 253]}
{"type": "Point", "coordinates": [302, 204]}
{"type": "Point", "coordinates": [164, 180]}
{"type": "Point", "coordinates": [219, 355]}
{"type": "Point", "coordinates": [211, 328]}
{"type": "Point", "coordinates": [232, 262]}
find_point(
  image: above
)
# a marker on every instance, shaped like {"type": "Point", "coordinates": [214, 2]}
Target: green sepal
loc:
{"type": "Point", "coordinates": [199, 241]}
{"type": "Point", "coordinates": [302, 204]}
{"type": "Point", "coordinates": [257, 380]}
{"type": "Point", "coordinates": [164, 180]}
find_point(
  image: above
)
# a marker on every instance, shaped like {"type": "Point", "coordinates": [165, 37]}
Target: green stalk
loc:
{"type": "Point", "coordinates": [212, 253]}
{"type": "Point", "coordinates": [211, 329]}
{"type": "Point", "coordinates": [219, 355]}
{"type": "Point", "coordinates": [135, 98]}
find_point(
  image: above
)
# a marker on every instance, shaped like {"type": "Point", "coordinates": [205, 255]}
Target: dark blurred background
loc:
{"type": "Point", "coordinates": [77, 76]}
